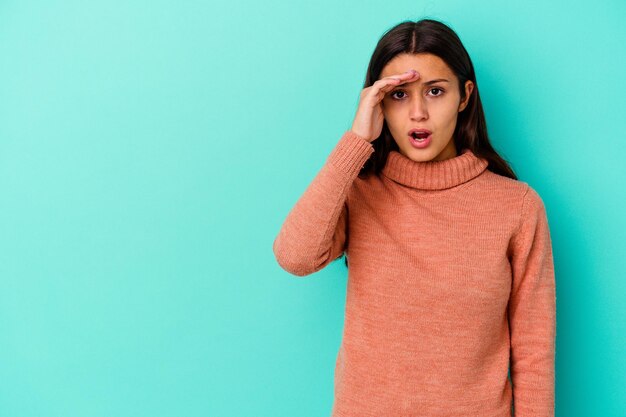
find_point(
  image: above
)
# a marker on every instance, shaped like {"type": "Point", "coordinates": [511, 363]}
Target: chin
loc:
{"type": "Point", "coordinates": [418, 155]}
{"type": "Point", "coordinates": [421, 155]}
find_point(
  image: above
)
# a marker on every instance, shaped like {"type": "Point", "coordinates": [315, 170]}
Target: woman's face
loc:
{"type": "Point", "coordinates": [424, 104]}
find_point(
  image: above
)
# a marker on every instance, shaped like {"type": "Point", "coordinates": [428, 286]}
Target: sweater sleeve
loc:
{"type": "Point", "coordinates": [314, 232]}
{"type": "Point", "coordinates": [532, 312]}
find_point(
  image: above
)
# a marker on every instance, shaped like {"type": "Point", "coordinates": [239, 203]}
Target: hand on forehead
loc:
{"type": "Point", "coordinates": [429, 67]}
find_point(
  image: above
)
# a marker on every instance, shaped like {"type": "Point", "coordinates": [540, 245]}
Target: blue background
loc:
{"type": "Point", "coordinates": [150, 151]}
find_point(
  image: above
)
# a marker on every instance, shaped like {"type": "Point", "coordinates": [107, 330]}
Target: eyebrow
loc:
{"type": "Point", "coordinates": [443, 80]}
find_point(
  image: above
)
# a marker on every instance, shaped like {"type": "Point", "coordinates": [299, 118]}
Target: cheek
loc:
{"type": "Point", "coordinates": [393, 107]}
{"type": "Point", "coordinates": [447, 111]}
{"type": "Point", "coordinates": [390, 110]}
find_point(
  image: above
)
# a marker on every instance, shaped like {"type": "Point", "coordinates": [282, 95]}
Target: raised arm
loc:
{"type": "Point", "coordinates": [532, 313]}
{"type": "Point", "coordinates": [315, 230]}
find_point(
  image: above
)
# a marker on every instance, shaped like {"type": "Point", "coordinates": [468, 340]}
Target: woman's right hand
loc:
{"type": "Point", "coordinates": [368, 122]}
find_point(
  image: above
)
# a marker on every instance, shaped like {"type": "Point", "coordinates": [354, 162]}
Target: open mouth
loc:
{"type": "Point", "coordinates": [419, 135]}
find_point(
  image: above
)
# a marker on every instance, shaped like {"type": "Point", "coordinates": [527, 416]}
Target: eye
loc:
{"type": "Point", "coordinates": [397, 91]}
{"type": "Point", "coordinates": [439, 93]}
{"type": "Point", "coordinates": [437, 88]}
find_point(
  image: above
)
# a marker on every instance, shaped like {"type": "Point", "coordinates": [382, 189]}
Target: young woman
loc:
{"type": "Point", "coordinates": [451, 277]}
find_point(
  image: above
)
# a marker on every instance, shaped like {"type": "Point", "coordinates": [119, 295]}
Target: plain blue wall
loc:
{"type": "Point", "coordinates": [150, 151]}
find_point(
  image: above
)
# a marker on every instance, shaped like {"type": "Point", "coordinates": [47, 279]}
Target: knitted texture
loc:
{"type": "Point", "coordinates": [450, 281]}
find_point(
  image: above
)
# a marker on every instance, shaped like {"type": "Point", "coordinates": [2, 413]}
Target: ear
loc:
{"type": "Point", "coordinates": [469, 87]}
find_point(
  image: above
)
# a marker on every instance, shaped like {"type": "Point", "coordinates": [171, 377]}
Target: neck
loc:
{"type": "Point", "coordinates": [434, 174]}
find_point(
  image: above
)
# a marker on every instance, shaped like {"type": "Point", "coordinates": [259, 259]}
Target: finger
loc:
{"type": "Point", "coordinates": [403, 76]}
{"type": "Point", "coordinates": [398, 81]}
{"type": "Point", "coordinates": [394, 80]}
{"type": "Point", "coordinates": [380, 87]}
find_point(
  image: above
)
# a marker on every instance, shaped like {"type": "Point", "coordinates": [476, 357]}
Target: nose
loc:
{"type": "Point", "coordinates": [418, 110]}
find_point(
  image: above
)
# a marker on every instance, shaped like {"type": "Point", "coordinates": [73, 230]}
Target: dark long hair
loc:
{"type": "Point", "coordinates": [434, 37]}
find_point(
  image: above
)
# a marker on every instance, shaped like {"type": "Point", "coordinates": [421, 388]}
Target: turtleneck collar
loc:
{"type": "Point", "coordinates": [434, 175]}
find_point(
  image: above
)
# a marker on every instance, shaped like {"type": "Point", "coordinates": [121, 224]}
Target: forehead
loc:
{"type": "Point", "coordinates": [429, 66]}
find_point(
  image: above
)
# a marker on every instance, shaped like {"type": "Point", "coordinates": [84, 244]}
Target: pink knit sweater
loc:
{"type": "Point", "coordinates": [450, 277]}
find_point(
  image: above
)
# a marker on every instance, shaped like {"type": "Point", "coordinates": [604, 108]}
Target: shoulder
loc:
{"type": "Point", "coordinates": [533, 207]}
{"type": "Point", "coordinates": [517, 189]}
{"type": "Point", "coordinates": [517, 197]}
{"type": "Point", "coordinates": [499, 183]}
{"type": "Point", "coordinates": [504, 193]}
{"type": "Point", "coordinates": [529, 205]}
